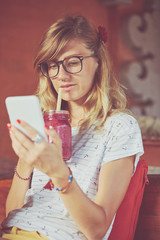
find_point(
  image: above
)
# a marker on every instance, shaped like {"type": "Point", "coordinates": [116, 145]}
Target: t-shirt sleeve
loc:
{"type": "Point", "coordinates": [124, 139]}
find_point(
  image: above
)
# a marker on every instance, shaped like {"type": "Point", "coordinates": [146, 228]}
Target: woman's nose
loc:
{"type": "Point", "coordinates": [62, 75]}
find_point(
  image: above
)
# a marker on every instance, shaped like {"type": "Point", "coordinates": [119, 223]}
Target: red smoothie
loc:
{"type": "Point", "coordinates": [59, 120]}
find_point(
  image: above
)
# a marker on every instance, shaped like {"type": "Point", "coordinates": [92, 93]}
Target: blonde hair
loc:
{"type": "Point", "coordinates": [106, 96]}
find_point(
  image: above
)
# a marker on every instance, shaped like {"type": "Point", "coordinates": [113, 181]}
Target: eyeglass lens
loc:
{"type": "Point", "coordinates": [70, 65]}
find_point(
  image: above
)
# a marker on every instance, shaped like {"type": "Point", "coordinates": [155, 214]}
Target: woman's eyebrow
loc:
{"type": "Point", "coordinates": [72, 55]}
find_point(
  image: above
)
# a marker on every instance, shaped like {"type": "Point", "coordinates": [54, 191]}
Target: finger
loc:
{"type": "Point", "coordinates": [18, 147]}
{"type": "Point", "coordinates": [54, 136]}
{"type": "Point", "coordinates": [32, 133]}
{"type": "Point", "coordinates": [21, 137]}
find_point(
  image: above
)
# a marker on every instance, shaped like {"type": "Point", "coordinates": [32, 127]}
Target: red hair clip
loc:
{"type": "Point", "coordinates": [103, 34]}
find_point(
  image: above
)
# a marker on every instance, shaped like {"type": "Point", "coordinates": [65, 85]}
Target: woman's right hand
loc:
{"type": "Point", "coordinates": [44, 156]}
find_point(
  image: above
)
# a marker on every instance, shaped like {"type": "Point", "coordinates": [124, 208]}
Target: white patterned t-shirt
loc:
{"type": "Point", "coordinates": [44, 210]}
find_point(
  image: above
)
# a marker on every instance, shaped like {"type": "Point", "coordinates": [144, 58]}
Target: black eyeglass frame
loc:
{"type": "Point", "coordinates": [62, 62]}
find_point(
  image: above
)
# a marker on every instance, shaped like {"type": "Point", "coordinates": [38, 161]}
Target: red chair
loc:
{"type": "Point", "coordinates": [127, 215]}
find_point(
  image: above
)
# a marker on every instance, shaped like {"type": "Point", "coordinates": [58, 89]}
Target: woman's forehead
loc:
{"type": "Point", "coordinates": [73, 47]}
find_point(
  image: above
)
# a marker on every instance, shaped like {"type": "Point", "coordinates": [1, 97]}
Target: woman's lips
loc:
{"type": "Point", "coordinates": [67, 87]}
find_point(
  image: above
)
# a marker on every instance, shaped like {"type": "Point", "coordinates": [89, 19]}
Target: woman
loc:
{"type": "Point", "coordinates": [106, 142]}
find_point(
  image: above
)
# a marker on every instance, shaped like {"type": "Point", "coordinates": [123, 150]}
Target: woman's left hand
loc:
{"type": "Point", "coordinates": [44, 156]}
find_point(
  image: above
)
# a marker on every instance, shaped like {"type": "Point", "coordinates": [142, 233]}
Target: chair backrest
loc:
{"type": "Point", "coordinates": [127, 214]}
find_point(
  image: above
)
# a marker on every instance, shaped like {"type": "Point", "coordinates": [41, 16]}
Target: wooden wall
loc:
{"type": "Point", "coordinates": [148, 226]}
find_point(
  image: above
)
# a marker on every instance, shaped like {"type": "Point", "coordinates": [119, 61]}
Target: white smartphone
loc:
{"type": "Point", "coordinates": [26, 108]}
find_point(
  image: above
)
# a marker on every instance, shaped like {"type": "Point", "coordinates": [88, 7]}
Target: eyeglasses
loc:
{"type": "Point", "coordinates": [73, 64]}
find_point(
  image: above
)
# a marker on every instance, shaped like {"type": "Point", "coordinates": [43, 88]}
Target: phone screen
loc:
{"type": "Point", "coordinates": [26, 108]}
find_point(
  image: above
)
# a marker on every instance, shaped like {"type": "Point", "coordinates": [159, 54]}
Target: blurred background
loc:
{"type": "Point", "coordinates": [133, 42]}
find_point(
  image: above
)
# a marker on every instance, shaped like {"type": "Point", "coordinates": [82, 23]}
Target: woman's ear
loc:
{"type": "Point", "coordinates": [96, 64]}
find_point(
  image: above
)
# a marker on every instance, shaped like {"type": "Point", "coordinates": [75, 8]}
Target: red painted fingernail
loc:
{"type": "Point", "coordinates": [19, 121]}
{"type": "Point", "coordinates": [9, 125]}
